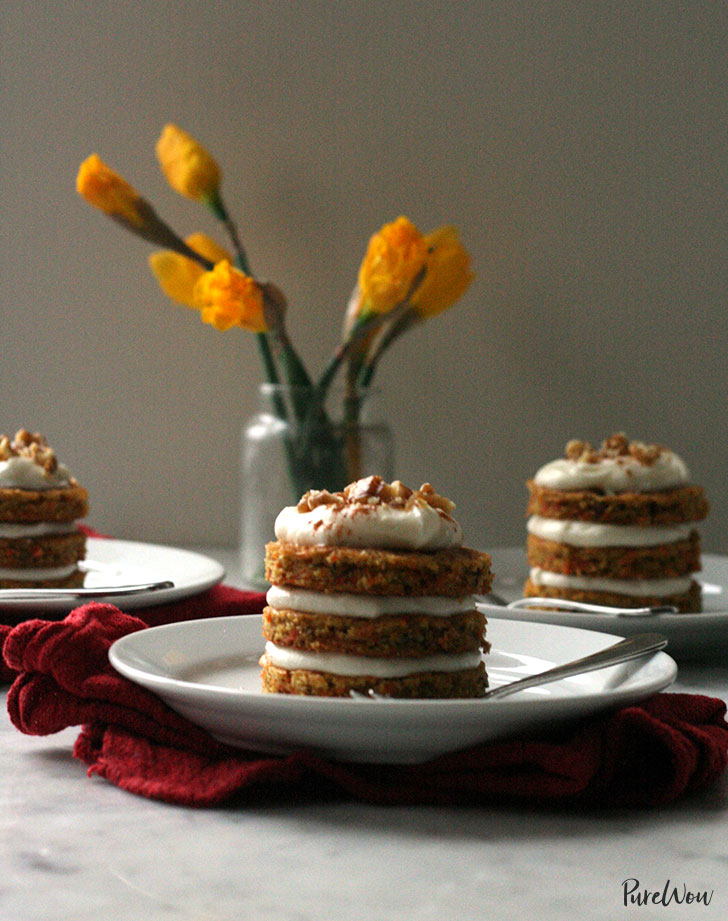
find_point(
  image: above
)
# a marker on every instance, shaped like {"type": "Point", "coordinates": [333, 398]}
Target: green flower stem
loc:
{"type": "Point", "coordinates": [360, 329]}
{"type": "Point", "coordinates": [401, 318]}
{"type": "Point", "coordinates": [405, 321]}
{"type": "Point", "coordinates": [296, 373]}
{"type": "Point", "coordinates": [218, 208]}
{"type": "Point", "coordinates": [352, 432]}
{"type": "Point", "coordinates": [279, 405]}
{"type": "Point", "coordinates": [266, 355]}
{"type": "Point", "coordinates": [154, 230]}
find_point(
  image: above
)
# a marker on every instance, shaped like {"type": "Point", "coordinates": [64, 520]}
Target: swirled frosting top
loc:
{"type": "Point", "coordinates": [27, 462]}
{"type": "Point", "coordinates": [372, 513]}
{"type": "Point", "coordinates": [618, 466]}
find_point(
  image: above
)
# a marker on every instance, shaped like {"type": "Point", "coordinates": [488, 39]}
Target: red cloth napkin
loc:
{"type": "Point", "coordinates": [643, 755]}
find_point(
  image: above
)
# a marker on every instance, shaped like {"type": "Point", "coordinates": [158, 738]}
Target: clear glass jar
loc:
{"type": "Point", "coordinates": [287, 450]}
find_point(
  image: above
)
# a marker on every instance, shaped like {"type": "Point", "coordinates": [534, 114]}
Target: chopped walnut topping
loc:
{"type": "Point", "coordinates": [645, 454]}
{"type": "Point", "coordinates": [439, 502]}
{"type": "Point", "coordinates": [23, 437]}
{"type": "Point", "coordinates": [373, 490]}
{"type": "Point", "coordinates": [316, 497]}
{"type": "Point", "coordinates": [616, 446]}
{"type": "Point", "coordinates": [34, 447]}
{"type": "Point", "coordinates": [581, 451]}
{"type": "Point", "coordinates": [575, 448]}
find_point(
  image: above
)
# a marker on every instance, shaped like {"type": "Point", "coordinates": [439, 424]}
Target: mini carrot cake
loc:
{"type": "Point", "coordinates": [40, 503]}
{"type": "Point", "coordinates": [372, 590]}
{"type": "Point", "coordinates": [615, 526]}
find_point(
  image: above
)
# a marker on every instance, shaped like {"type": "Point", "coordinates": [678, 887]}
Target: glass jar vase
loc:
{"type": "Point", "coordinates": [288, 449]}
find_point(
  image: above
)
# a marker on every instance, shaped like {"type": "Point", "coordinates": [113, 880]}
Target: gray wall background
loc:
{"type": "Point", "coordinates": [579, 147]}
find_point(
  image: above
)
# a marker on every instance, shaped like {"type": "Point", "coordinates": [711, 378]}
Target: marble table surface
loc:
{"type": "Point", "coordinates": [78, 848]}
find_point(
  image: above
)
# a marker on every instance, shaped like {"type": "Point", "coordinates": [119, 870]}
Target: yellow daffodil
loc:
{"type": "Point", "coordinates": [447, 273]}
{"type": "Point", "coordinates": [228, 297]}
{"type": "Point", "coordinates": [177, 275]}
{"type": "Point", "coordinates": [108, 191]}
{"type": "Point", "coordinates": [189, 168]}
{"type": "Point", "coordinates": [395, 257]}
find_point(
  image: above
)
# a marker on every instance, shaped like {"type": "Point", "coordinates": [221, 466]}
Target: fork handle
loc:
{"type": "Point", "coordinates": [632, 648]}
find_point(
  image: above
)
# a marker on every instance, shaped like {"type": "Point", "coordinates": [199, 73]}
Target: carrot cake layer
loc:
{"type": "Point", "coordinates": [465, 682]}
{"type": "Point", "coordinates": [619, 562]}
{"type": "Point", "coordinates": [387, 635]}
{"type": "Point", "coordinates": [668, 506]}
{"type": "Point", "coordinates": [380, 572]}
{"type": "Point", "coordinates": [44, 550]}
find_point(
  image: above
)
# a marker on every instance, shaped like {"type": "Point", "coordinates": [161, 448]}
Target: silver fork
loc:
{"type": "Point", "coordinates": [641, 644]}
{"type": "Point", "coordinates": [565, 604]}
{"type": "Point", "coordinates": [41, 594]}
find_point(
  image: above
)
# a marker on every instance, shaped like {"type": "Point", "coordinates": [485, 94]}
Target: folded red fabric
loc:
{"type": "Point", "coordinates": [639, 756]}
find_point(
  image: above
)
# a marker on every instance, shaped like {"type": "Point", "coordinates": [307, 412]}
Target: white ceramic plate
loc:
{"type": "Point", "coordinates": [112, 563]}
{"type": "Point", "coordinates": [208, 671]}
{"type": "Point", "coordinates": [690, 635]}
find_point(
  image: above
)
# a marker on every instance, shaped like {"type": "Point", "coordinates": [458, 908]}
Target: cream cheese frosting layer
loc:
{"type": "Point", "coordinates": [23, 473]}
{"type": "Point", "coordinates": [420, 527]}
{"type": "Point", "coordinates": [634, 587]}
{"type": "Point", "coordinates": [615, 474]}
{"type": "Point", "coordinates": [340, 664]}
{"type": "Point", "coordinates": [13, 530]}
{"type": "Point", "coordinates": [594, 534]}
{"type": "Point", "coordinates": [38, 575]}
{"type": "Point", "coordinates": [344, 604]}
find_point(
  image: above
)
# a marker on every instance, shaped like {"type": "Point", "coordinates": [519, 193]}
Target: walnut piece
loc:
{"type": "Point", "coordinates": [316, 497]}
{"type": "Point", "coordinates": [645, 454]}
{"type": "Point", "coordinates": [372, 491]}
{"type": "Point", "coordinates": [581, 451]}
{"type": "Point", "coordinates": [575, 448]}
{"type": "Point", "coordinates": [616, 445]}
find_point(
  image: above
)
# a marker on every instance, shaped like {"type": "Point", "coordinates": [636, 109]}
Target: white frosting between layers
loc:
{"type": "Point", "coordinates": [593, 534]}
{"type": "Point", "coordinates": [615, 474]}
{"type": "Point", "coordinates": [23, 473]}
{"type": "Point", "coordinates": [13, 530]}
{"type": "Point", "coordinates": [340, 664]}
{"type": "Point", "coordinates": [420, 527]}
{"type": "Point", "coordinates": [350, 605]}
{"type": "Point", "coordinates": [633, 587]}
{"type": "Point", "coordinates": [38, 575]}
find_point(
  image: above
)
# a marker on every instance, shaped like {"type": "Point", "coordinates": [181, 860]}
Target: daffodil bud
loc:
{"type": "Point", "coordinates": [189, 168]}
{"type": "Point", "coordinates": [107, 190]}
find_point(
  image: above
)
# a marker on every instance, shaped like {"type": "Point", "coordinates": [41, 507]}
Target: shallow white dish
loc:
{"type": "Point", "coordinates": [208, 671]}
{"type": "Point", "coordinates": [111, 563]}
{"type": "Point", "coordinates": [689, 635]}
